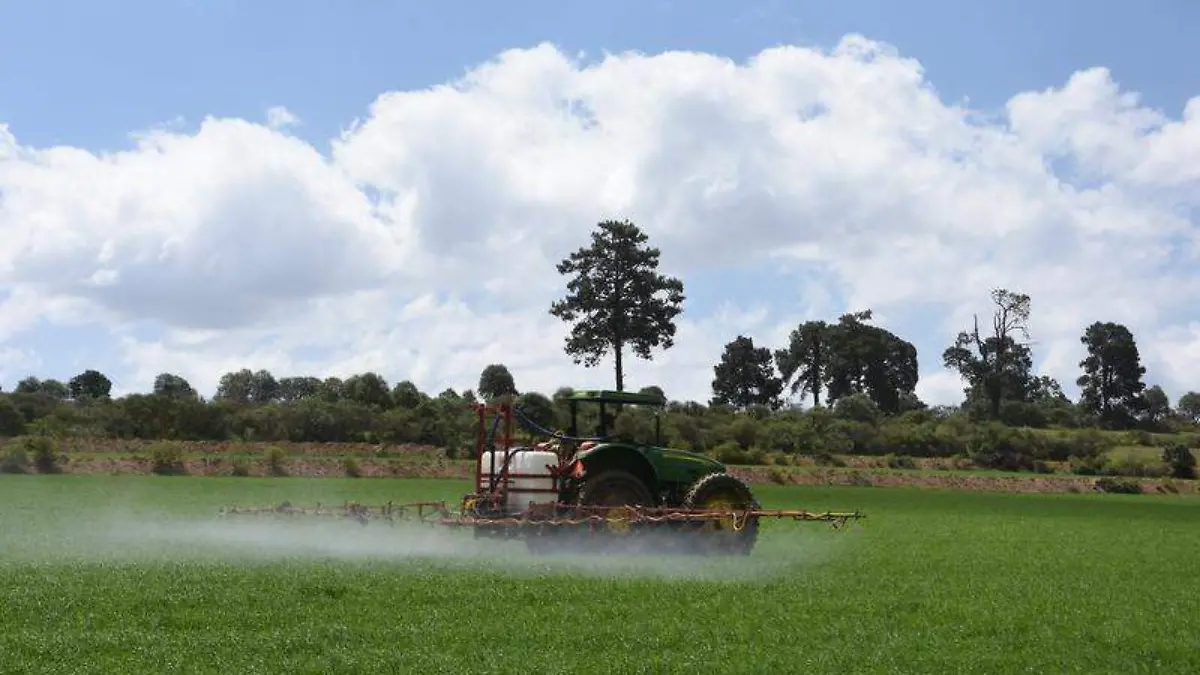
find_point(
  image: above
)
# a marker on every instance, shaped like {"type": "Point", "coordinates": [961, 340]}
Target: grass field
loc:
{"type": "Point", "coordinates": [131, 574]}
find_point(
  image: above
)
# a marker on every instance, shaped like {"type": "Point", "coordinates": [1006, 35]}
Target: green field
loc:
{"type": "Point", "coordinates": [124, 574]}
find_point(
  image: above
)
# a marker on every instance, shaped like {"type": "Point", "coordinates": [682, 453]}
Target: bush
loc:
{"type": "Point", "coordinates": [44, 452]}
{"type": "Point", "coordinates": [1087, 466]}
{"type": "Point", "coordinates": [14, 460]}
{"type": "Point", "coordinates": [350, 466]}
{"type": "Point", "coordinates": [275, 458]}
{"type": "Point", "coordinates": [1132, 465]}
{"type": "Point", "coordinates": [166, 459]}
{"type": "Point", "coordinates": [823, 458]}
{"type": "Point", "coordinates": [1119, 485]}
{"type": "Point", "coordinates": [1180, 461]}
{"type": "Point", "coordinates": [900, 462]}
{"type": "Point", "coordinates": [996, 446]}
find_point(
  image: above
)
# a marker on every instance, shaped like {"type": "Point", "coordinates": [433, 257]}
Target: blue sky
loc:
{"type": "Point", "coordinates": [89, 74]}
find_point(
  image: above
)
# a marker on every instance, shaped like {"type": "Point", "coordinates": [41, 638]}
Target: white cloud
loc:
{"type": "Point", "coordinates": [424, 245]}
{"type": "Point", "coordinates": [279, 117]}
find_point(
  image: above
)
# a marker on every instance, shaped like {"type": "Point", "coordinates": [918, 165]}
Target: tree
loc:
{"type": "Point", "coordinates": [332, 390]}
{"type": "Point", "coordinates": [90, 384]}
{"type": "Point", "coordinates": [995, 366]}
{"type": "Point", "coordinates": [1111, 385]}
{"type": "Point", "coordinates": [617, 299]}
{"type": "Point", "coordinates": [865, 359]}
{"type": "Point", "coordinates": [539, 409]}
{"type": "Point", "coordinates": [51, 387]}
{"type": "Point", "coordinates": [1189, 406]}
{"type": "Point", "coordinates": [406, 395]}
{"type": "Point", "coordinates": [745, 376]}
{"type": "Point", "coordinates": [1180, 461]}
{"type": "Point", "coordinates": [1046, 389]}
{"type": "Point", "coordinates": [1157, 406]}
{"type": "Point", "coordinates": [369, 389]}
{"type": "Point", "coordinates": [803, 362]}
{"type": "Point", "coordinates": [246, 386]}
{"type": "Point", "coordinates": [653, 390]}
{"type": "Point", "coordinates": [496, 381]}
{"type": "Point", "coordinates": [169, 385]}
{"type": "Point", "coordinates": [298, 388]}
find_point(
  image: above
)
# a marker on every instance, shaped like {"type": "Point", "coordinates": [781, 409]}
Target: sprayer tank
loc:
{"type": "Point", "coordinates": [529, 479]}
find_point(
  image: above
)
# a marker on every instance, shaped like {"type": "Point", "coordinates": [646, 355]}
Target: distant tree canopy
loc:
{"type": "Point", "coordinates": [746, 376]}
{"type": "Point", "coordinates": [995, 365]}
{"type": "Point", "coordinates": [1111, 385]}
{"type": "Point", "coordinates": [496, 381]}
{"type": "Point", "coordinates": [850, 357]}
{"type": "Point", "coordinates": [616, 298]}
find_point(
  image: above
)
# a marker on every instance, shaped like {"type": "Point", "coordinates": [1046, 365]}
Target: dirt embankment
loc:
{"type": "Point", "coordinates": [1032, 483]}
{"type": "Point", "coordinates": [368, 460]}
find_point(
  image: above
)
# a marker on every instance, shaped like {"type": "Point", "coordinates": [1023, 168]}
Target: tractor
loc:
{"type": "Point", "coordinates": [614, 476]}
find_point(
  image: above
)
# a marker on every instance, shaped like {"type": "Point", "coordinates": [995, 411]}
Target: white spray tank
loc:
{"type": "Point", "coordinates": [529, 476]}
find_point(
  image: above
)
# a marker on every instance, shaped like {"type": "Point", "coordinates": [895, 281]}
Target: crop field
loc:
{"type": "Point", "coordinates": [135, 574]}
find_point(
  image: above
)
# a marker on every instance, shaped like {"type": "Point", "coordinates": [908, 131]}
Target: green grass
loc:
{"type": "Point", "coordinates": [933, 582]}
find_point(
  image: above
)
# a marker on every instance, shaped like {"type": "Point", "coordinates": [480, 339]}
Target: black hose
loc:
{"type": "Point", "coordinates": [534, 426]}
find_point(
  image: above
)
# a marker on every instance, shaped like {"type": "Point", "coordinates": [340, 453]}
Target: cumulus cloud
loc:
{"type": "Point", "coordinates": [422, 245]}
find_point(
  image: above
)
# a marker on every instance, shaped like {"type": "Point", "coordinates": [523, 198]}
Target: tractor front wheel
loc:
{"type": "Point", "coordinates": [734, 534]}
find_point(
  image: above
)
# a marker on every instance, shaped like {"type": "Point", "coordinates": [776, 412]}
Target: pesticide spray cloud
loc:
{"type": "Point", "coordinates": [124, 538]}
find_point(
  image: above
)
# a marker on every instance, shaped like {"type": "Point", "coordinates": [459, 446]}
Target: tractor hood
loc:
{"type": "Point", "coordinates": [669, 465]}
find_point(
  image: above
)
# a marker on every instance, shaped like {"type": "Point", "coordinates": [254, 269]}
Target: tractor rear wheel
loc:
{"type": "Point", "coordinates": [735, 534]}
{"type": "Point", "coordinates": [616, 488]}
{"type": "Point", "coordinates": [613, 488]}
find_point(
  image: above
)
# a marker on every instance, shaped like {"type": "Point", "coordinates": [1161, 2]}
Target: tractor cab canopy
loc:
{"type": "Point", "coordinates": [610, 399]}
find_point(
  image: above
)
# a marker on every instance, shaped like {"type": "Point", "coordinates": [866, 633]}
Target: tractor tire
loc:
{"type": "Point", "coordinates": [611, 488]}
{"type": "Point", "coordinates": [725, 536]}
{"type": "Point", "coordinates": [615, 488]}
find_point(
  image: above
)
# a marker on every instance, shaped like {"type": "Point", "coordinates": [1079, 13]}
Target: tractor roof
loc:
{"type": "Point", "coordinates": [604, 396]}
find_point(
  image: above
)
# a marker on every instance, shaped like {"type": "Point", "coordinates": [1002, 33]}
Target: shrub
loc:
{"type": "Point", "coordinates": [1180, 461]}
{"type": "Point", "coordinates": [166, 459]}
{"type": "Point", "coordinates": [350, 466]}
{"type": "Point", "coordinates": [1090, 443]}
{"type": "Point", "coordinates": [14, 460]}
{"type": "Point", "coordinates": [823, 458]}
{"type": "Point", "coordinates": [1132, 465]}
{"type": "Point", "coordinates": [900, 462]}
{"type": "Point", "coordinates": [730, 452]}
{"type": "Point", "coordinates": [240, 468]}
{"type": "Point", "coordinates": [1139, 437]}
{"type": "Point", "coordinates": [44, 452]}
{"type": "Point", "coordinates": [1119, 485]}
{"type": "Point", "coordinates": [275, 458]}
{"type": "Point", "coordinates": [1087, 466]}
{"type": "Point", "coordinates": [995, 446]}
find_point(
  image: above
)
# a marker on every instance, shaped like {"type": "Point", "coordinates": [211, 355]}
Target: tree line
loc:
{"type": "Point", "coordinates": [851, 357]}
{"type": "Point", "coordinates": [852, 372]}
{"type": "Point", "coordinates": [618, 299]}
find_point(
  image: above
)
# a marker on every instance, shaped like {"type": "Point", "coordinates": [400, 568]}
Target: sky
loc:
{"type": "Point", "coordinates": [320, 188]}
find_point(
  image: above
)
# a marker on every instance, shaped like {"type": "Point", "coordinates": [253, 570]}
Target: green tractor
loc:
{"type": "Point", "coordinates": [620, 474]}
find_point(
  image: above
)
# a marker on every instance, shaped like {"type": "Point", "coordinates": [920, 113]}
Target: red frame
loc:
{"type": "Point", "coordinates": [484, 488]}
